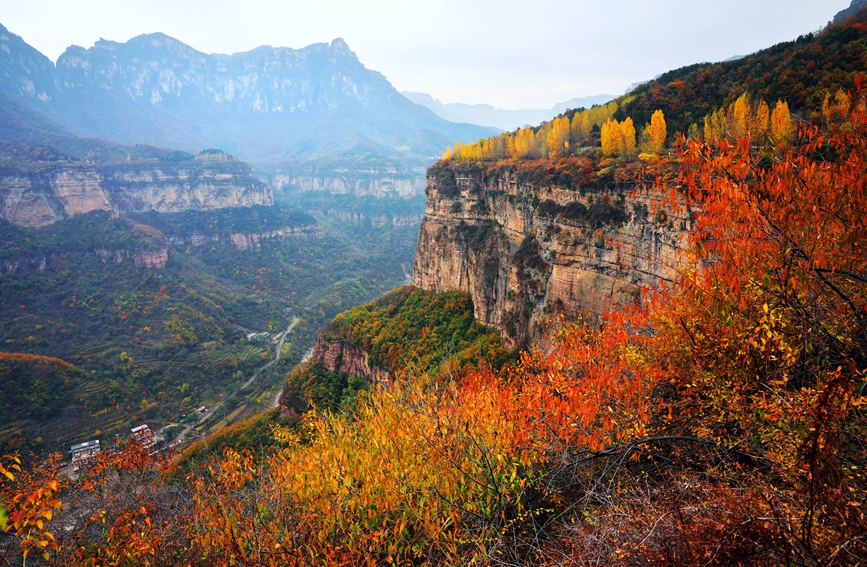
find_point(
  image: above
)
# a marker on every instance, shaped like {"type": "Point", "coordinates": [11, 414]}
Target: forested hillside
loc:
{"type": "Point", "coordinates": [805, 74]}
{"type": "Point", "coordinates": [159, 339]}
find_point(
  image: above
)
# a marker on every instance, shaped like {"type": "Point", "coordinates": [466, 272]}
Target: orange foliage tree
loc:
{"type": "Point", "coordinates": [435, 471]}
{"type": "Point", "coordinates": [28, 503]}
{"type": "Point", "coordinates": [117, 511]}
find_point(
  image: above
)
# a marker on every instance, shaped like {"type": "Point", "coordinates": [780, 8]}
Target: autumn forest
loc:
{"type": "Point", "coordinates": [720, 418]}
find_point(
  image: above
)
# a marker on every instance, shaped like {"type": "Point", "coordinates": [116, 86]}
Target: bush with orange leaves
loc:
{"type": "Point", "coordinates": [764, 346]}
{"type": "Point", "coordinates": [28, 503]}
{"type": "Point", "coordinates": [118, 511]}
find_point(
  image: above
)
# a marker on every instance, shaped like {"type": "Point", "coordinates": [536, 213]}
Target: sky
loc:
{"type": "Point", "coordinates": [512, 54]}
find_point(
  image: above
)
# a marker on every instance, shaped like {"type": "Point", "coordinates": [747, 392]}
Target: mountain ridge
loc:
{"type": "Point", "coordinates": [264, 105]}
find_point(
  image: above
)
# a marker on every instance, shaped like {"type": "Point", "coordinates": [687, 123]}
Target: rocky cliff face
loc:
{"type": "Point", "coordinates": [374, 220]}
{"type": "Point", "coordinates": [248, 240]}
{"type": "Point", "coordinates": [340, 356]}
{"type": "Point", "coordinates": [152, 259]}
{"type": "Point", "coordinates": [21, 264]}
{"type": "Point", "coordinates": [148, 259]}
{"type": "Point", "coordinates": [41, 193]}
{"type": "Point", "coordinates": [526, 252]}
{"type": "Point", "coordinates": [377, 178]}
{"type": "Point", "coordinates": [379, 186]}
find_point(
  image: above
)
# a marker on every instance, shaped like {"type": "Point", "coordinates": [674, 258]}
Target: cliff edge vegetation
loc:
{"type": "Point", "coordinates": [408, 332]}
{"type": "Point", "coordinates": [583, 212]}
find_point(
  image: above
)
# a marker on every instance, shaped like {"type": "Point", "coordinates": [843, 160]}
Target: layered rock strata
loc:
{"type": "Point", "coordinates": [380, 178]}
{"type": "Point", "coordinates": [527, 252]}
{"type": "Point", "coordinates": [152, 259]}
{"type": "Point", "coordinates": [41, 193]}
{"type": "Point", "coordinates": [249, 240]}
{"type": "Point", "coordinates": [374, 220]}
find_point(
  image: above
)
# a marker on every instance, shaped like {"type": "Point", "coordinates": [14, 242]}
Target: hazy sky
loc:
{"type": "Point", "coordinates": [509, 53]}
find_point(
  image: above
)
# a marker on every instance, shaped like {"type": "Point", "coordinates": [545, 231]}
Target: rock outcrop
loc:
{"type": "Point", "coordinates": [339, 356]}
{"type": "Point", "coordinates": [153, 259]}
{"type": "Point", "coordinates": [21, 264]}
{"type": "Point", "coordinates": [527, 252]}
{"type": "Point", "coordinates": [378, 178]}
{"type": "Point", "coordinates": [248, 240]}
{"type": "Point", "coordinates": [847, 13]}
{"type": "Point", "coordinates": [374, 220]}
{"type": "Point", "coordinates": [358, 183]}
{"type": "Point", "coordinates": [35, 194]}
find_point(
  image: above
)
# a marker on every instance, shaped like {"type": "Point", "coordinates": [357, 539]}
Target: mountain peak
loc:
{"type": "Point", "coordinates": [853, 8]}
{"type": "Point", "coordinates": [340, 47]}
{"type": "Point", "coordinates": [156, 40]}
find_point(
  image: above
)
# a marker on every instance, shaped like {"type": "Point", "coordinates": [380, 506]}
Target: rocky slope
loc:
{"type": "Point", "coordinates": [853, 9]}
{"type": "Point", "coordinates": [36, 193]}
{"type": "Point", "coordinates": [527, 251]}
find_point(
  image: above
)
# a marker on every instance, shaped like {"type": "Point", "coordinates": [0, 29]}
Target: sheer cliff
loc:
{"type": "Point", "coordinates": [528, 247]}
{"type": "Point", "coordinates": [38, 193]}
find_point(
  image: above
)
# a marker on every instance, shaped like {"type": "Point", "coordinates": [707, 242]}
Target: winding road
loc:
{"type": "Point", "coordinates": [280, 339]}
{"type": "Point", "coordinates": [307, 356]}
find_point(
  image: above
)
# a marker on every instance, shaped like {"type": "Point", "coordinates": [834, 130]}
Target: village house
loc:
{"type": "Point", "coordinates": [83, 453]}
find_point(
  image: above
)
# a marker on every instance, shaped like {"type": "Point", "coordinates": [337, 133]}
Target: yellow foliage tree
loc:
{"type": "Point", "coordinates": [834, 109]}
{"type": "Point", "coordinates": [586, 125]}
{"type": "Point", "coordinates": [618, 138]}
{"type": "Point", "coordinates": [627, 138]}
{"type": "Point", "coordinates": [741, 116]}
{"type": "Point", "coordinates": [781, 125]}
{"type": "Point", "coordinates": [557, 140]}
{"type": "Point", "coordinates": [525, 143]}
{"type": "Point", "coordinates": [610, 136]}
{"type": "Point", "coordinates": [715, 126]}
{"type": "Point", "coordinates": [760, 119]}
{"type": "Point", "coordinates": [657, 132]}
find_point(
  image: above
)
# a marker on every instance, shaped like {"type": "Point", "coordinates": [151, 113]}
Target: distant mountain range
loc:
{"type": "Point", "coordinates": [487, 115]}
{"type": "Point", "coordinates": [266, 106]}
